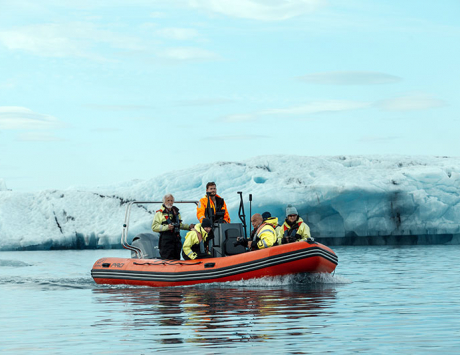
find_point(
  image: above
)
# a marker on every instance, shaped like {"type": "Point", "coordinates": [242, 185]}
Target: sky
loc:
{"type": "Point", "coordinates": [94, 93]}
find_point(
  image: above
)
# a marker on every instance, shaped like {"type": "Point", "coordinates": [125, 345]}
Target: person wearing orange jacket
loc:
{"type": "Point", "coordinates": [217, 211]}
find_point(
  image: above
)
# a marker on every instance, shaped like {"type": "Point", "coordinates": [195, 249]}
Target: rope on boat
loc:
{"type": "Point", "coordinates": [168, 262]}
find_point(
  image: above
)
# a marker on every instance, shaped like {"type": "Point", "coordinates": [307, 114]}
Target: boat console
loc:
{"type": "Point", "coordinates": [225, 238]}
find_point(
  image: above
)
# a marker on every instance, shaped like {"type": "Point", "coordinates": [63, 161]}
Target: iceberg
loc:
{"type": "Point", "coordinates": [346, 200]}
{"type": "Point", "coordinates": [2, 185]}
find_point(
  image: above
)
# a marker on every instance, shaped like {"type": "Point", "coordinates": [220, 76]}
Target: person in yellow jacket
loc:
{"type": "Point", "coordinates": [264, 232]}
{"type": "Point", "coordinates": [196, 240]}
{"type": "Point", "coordinates": [267, 215]}
{"type": "Point", "coordinates": [294, 228]}
{"type": "Point", "coordinates": [168, 222]}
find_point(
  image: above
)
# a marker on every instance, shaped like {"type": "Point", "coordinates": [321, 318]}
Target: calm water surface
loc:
{"type": "Point", "coordinates": [381, 300]}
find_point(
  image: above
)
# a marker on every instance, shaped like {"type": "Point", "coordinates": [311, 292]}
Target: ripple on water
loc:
{"type": "Point", "coordinates": [298, 279]}
{"type": "Point", "coordinates": [13, 263]}
{"type": "Point", "coordinates": [381, 300]}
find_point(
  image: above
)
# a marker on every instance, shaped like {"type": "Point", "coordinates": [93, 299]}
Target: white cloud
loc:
{"type": "Point", "coordinates": [117, 107]}
{"type": "Point", "coordinates": [240, 137]}
{"type": "Point", "coordinates": [205, 102]}
{"type": "Point", "coordinates": [244, 117]}
{"type": "Point", "coordinates": [106, 130]}
{"type": "Point", "coordinates": [308, 109]}
{"type": "Point", "coordinates": [411, 102]}
{"type": "Point", "coordinates": [64, 40]}
{"type": "Point", "coordinates": [318, 107]}
{"type": "Point", "coordinates": [350, 78]}
{"type": "Point", "coordinates": [8, 84]}
{"type": "Point", "coordinates": [265, 10]}
{"type": "Point", "coordinates": [180, 34]}
{"type": "Point", "coordinates": [13, 117]}
{"type": "Point", "coordinates": [38, 137]}
{"type": "Point", "coordinates": [95, 41]}
{"type": "Point", "coordinates": [157, 14]}
{"type": "Point", "coordinates": [404, 103]}
{"type": "Point", "coordinates": [188, 53]}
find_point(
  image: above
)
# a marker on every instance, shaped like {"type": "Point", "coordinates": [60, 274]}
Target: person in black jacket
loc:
{"type": "Point", "coordinates": [168, 222]}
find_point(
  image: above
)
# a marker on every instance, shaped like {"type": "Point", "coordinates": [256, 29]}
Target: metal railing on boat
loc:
{"type": "Point", "coordinates": [124, 231]}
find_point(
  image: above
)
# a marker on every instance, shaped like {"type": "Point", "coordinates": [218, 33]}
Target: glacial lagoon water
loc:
{"type": "Point", "coordinates": [381, 300]}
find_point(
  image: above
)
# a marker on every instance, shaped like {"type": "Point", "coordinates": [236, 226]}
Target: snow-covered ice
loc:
{"type": "Point", "coordinates": [2, 185]}
{"type": "Point", "coordinates": [344, 200]}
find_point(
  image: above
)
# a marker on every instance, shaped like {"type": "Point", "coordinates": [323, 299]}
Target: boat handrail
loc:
{"type": "Point", "coordinates": [124, 231]}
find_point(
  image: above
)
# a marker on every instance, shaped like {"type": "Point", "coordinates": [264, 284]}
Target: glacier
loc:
{"type": "Point", "coordinates": [346, 200]}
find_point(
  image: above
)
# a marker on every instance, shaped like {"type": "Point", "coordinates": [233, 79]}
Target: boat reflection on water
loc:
{"type": "Point", "coordinates": [221, 313]}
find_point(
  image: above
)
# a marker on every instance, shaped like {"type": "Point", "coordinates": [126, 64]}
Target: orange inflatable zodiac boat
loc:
{"type": "Point", "coordinates": [230, 261]}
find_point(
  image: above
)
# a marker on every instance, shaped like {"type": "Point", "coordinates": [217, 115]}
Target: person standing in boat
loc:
{"type": "Point", "coordinates": [167, 222]}
{"type": "Point", "coordinates": [217, 210]}
{"type": "Point", "coordinates": [196, 241]}
{"type": "Point", "coordinates": [264, 234]}
{"type": "Point", "coordinates": [294, 228]}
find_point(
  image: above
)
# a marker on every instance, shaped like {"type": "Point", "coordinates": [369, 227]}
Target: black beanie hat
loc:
{"type": "Point", "coordinates": [206, 223]}
{"type": "Point", "coordinates": [266, 215]}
